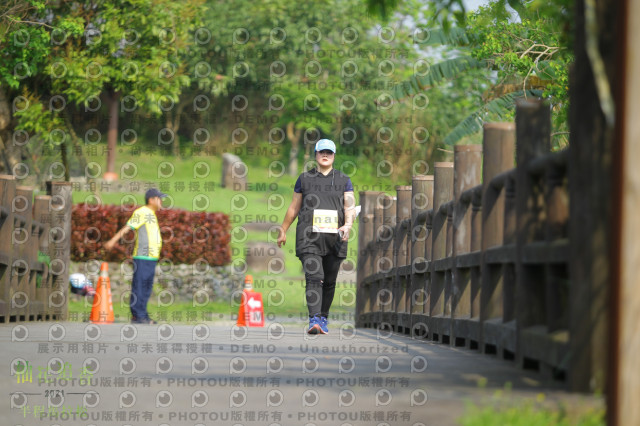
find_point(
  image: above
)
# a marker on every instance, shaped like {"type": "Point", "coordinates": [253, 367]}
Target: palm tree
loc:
{"type": "Point", "coordinates": [520, 55]}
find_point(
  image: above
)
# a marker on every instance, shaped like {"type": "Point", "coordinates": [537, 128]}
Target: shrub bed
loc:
{"type": "Point", "coordinates": [187, 237]}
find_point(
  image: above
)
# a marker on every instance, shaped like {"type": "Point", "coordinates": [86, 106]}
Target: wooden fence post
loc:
{"type": "Point", "coordinates": [443, 191]}
{"type": "Point", "coordinates": [23, 297]}
{"type": "Point", "coordinates": [533, 128]}
{"type": "Point", "coordinates": [387, 270]}
{"type": "Point", "coordinates": [365, 236]}
{"type": "Point", "coordinates": [376, 254]}
{"type": "Point", "coordinates": [7, 194]}
{"type": "Point", "coordinates": [421, 203]}
{"type": "Point", "coordinates": [43, 285]}
{"type": "Point", "coordinates": [401, 253]}
{"type": "Point", "coordinates": [475, 324]}
{"type": "Point", "coordinates": [60, 244]}
{"type": "Point", "coordinates": [557, 221]}
{"type": "Point", "coordinates": [467, 174]}
{"type": "Point", "coordinates": [498, 148]}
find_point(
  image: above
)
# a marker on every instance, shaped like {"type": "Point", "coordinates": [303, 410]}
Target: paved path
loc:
{"type": "Point", "coordinates": [217, 373]}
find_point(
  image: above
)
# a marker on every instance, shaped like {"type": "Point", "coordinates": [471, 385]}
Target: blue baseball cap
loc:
{"type": "Point", "coordinates": [153, 192]}
{"type": "Point", "coordinates": [325, 144]}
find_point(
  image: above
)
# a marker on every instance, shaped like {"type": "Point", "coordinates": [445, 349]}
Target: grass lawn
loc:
{"type": "Point", "coordinates": [187, 180]}
{"type": "Point", "coordinates": [282, 296]}
{"type": "Point", "coordinates": [539, 412]}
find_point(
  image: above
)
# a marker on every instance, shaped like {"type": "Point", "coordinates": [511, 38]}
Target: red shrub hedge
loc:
{"type": "Point", "coordinates": [186, 236]}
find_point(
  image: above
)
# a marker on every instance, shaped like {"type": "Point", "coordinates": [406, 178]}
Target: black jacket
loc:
{"type": "Point", "coordinates": [321, 192]}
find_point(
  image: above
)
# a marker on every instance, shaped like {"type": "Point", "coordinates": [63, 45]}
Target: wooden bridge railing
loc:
{"type": "Point", "coordinates": [34, 251]}
{"type": "Point", "coordinates": [477, 255]}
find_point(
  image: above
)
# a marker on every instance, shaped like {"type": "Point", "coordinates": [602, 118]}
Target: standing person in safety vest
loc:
{"type": "Point", "coordinates": [324, 203]}
{"type": "Point", "coordinates": [146, 253]}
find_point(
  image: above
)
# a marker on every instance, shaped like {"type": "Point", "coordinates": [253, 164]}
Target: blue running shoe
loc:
{"type": "Point", "coordinates": [323, 325]}
{"type": "Point", "coordinates": [314, 325]}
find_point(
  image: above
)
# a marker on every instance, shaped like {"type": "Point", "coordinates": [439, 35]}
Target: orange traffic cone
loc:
{"type": "Point", "coordinates": [102, 309]}
{"type": "Point", "coordinates": [251, 313]}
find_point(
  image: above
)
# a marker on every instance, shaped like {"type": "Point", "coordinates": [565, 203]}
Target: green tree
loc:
{"type": "Point", "coordinates": [523, 55]}
{"type": "Point", "coordinates": [128, 52]}
{"type": "Point", "coordinates": [345, 60]}
{"type": "Point", "coordinates": [25, 50]}
{"type": "Point", "coordinates": [132, 53]}
{"type": "Point", "coordinates": [324, 68]}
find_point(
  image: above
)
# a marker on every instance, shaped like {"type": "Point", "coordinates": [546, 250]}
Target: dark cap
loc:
{"type": "Point", "coordinates": [153, 192]}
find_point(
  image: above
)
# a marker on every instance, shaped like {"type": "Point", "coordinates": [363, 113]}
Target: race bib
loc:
{"type": "Point", "coordinates": [325, 221]}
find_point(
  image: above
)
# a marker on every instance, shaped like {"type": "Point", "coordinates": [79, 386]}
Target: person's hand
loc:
{"type": "Point", "coordinates": [109, 245]}
{"type": "Point", "coordinates": [343, 231]}
{"type": "Point", "coordinates": [282, 237]}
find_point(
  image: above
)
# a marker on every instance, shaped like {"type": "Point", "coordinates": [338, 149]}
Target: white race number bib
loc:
{"type": "Point", "coordinates": [325, 221]}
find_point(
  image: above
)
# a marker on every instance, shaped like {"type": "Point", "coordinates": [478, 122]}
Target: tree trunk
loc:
{"type": "Point", "coordinates": [307, 152]}
{"type": "Point", "coordinates": [173, 123]}
{"type": "Point", "coordinates": [112, 136]}
{"type": "Point", "coordinates": [74, 140]}
{"type": "Point", "coordinates": [65, 159]}
{"type": "Point", "coordinates": [168, 124]}
{"type": "Point", "coordinates": [294, 136]}
{"type": "Point", "coordinates": [11, 154]}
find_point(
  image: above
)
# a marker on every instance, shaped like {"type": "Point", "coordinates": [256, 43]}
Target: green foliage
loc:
{"type": "Point", "coordinates": [498, 109]}
{"type": "Point", "coordinates": [24, 53]}
{"type": "Point", "coordinates": [529, 52]}
{"type": "Point", "coordinates": [35, 119]}
{"type": "Point", "coordinates": [529, 414]}
{"type": "Point", "coordinates": [454, 36]}
{"type": "Point", "coordinates": [81, 50]}
{"type": "Point", "coordinates": [444, 11]}
{"type": "Point", "coordinates": [314, 47]}
{"type": "Point", "coordinates": [516, 57]}
{"type": "Point", "coordinates": [382, 8]}
{"type": "Point", "coordinates": [323, 69]}
{"type": "Point", "coordinates": [436, 74]}
{"type": "Point", "coordinates": [123, 50]}
{"type": "Point", "coordinates": [27, 39]}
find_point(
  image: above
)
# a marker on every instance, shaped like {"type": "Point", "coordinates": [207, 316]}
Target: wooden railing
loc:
{"type": "Point", "coordinates": [34, 251]}
{"type": "Point", "coordinates": [477, 255]}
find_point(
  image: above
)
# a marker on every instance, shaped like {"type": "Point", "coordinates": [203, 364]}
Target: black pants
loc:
{"type": "Point", "coordinates": [320, 273]}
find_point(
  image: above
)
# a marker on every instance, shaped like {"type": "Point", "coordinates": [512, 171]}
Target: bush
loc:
{"type": "Point", "coordinates": [527, 413]}
{"type": "Point", "coordinates": [186, 236]}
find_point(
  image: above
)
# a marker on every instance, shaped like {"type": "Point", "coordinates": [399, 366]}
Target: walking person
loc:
{"type": "Point", "coordinates": [146, 253]}
{"type": "Point", "coordinates": [324, 204]}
